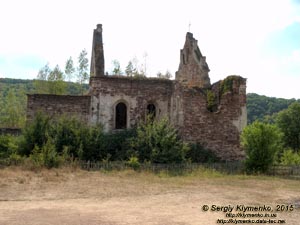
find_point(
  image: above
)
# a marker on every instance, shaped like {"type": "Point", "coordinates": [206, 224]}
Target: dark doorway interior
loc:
{"type": "Point", "coordinates": [121, 116]}
{"type": "Point", "coordinates": [151, 110]}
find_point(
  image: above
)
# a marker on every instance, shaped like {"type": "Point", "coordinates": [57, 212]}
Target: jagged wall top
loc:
{"type": "Point", "coordinates": [97, 61]}
{"type": "Point", "coordinates": [193, 69]}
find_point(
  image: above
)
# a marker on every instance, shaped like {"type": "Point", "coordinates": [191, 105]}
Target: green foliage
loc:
{"type": "Point", "coordinates": [261, 142]}
{"type": "Point", "coordinates": [36, 157]}
{"type": "Point", "coordinates": [211, 101]}
{"type": "Point", "coordinates": [133, 163]}
{"type": "Point", "coordinates": [49, 155]}
{"type": "Point", "coordinates": [91, 143]}
{"type": "Point", "coordinates": [289, 157]}
{"type": "Point", "coordinates": [69, 69]}
{"type": "Point", "coordinates": [118, 144]}
{"type": "Point", "coordinates": [198, 154]}
{"type": "Point", "coordinates": [45, 156]}
{"type": "Point", "coordinates": [129, 69]}
{"type": "Point", "coordinates": [12, 111]}
{"type": "Point", "coordinates": [158, 142]}
{"type": "Point", "coordinates": [56, 84]}
{"type": "Point", "coordinates": [8, 146]}
{"type": "Point", "coordinates": [262, 108]}
{"type": "Point", "coordinates": [13, 99]}
{"type": "Point", "coordinates": [227, 84]}
{"type": "Point", "coordinates": [67, 132]}
{"type": "Point", "coordinates": [82, 70]}
{"type": "Point", "coordinates": [50, 81]}
{"type": "Point", "coordinates": [289, 122]}
{"type": "Point", "coordinates": [116, 68]}
{"type": "Point", "coordinates": [35, 134]}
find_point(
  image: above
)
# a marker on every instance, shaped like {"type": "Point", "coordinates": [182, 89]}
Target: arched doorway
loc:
{"type": "Point", "coordinates": [121, 116]}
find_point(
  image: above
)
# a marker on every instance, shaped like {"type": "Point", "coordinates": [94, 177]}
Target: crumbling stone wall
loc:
{"type": "Point", "coordinates": [78, 106]}
{"type": "Point", "coordinates": [108, 91]}
{"type": "Point", "coordinates": [218, 130]}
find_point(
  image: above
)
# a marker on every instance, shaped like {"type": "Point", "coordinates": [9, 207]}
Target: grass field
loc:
{"type": "Point", "coordinates": [73, 196]}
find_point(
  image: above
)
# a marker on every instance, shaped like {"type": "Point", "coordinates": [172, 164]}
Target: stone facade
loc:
{"type": "Point", "coordinates": [213, 115]}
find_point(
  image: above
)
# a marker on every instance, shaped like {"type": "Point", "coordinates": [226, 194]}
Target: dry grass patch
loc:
{"type": "Point", "coordinates": [76, 196]}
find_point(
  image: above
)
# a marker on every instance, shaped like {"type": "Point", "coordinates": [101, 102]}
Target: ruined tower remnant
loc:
{"type": "Point", "coordinates": [97, 61]}
{"type": "Point", "coordinates": [193, 69]}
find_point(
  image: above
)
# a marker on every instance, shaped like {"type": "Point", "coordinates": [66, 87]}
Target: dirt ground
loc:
{"type": "Point", "coordinates": [67, 197]}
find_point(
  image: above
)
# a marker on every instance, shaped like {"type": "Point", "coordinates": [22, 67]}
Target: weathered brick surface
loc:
{"type": "Point", "coordinates": [107, 91]}
{"type": "Point", "coordinates": [219, 130]}
{"type": "Point", "coordinates": [78, 106]}
{"type": "Point", "coordinates": [193, 69]}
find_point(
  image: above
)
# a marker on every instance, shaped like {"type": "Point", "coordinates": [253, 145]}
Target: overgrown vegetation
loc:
{"type": "Point", "coordinates": [158, 142]}
{"type": "Point", "coordinates": [50, 142]}
{"type": "Point", "coordinates": [211, 101]}
{"type": "Point", "coordinates": [261, 142]}
{"type": "Point", "coordinates": [227, 84]}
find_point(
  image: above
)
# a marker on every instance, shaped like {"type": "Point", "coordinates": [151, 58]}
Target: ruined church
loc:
{"type": "Point", "coordinates": [211, 114]}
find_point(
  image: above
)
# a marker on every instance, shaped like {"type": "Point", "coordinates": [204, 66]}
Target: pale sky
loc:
{"type": "Point", "coordinates": [257, 39]}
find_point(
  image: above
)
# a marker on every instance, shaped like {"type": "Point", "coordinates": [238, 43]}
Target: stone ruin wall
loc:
{"type": "Point", "coordinates": [108, 91]}
{"type": "Point", "coordinates": [77, 106]}
{"type": "Point", "coordinates": [218, 130]}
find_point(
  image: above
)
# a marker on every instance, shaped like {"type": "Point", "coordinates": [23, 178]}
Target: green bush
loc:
{"type": "Point", "coordinates": [45, 156]}
{"type": "Point", "coordinates": [7, 146]}
{"type": "Point", "coordinates": [35, 134]}
{"type": "Point", "coordinates": [91, 142]}
{"type": "Point", "coordinates": [68, 132]}
{"type": "Point", "coordinates": [198, 154]}
{"type": "Point", "coordinates": [118, 144]}
{"type": "Point", "coordinates": [36, 157]}
{"type": "Point", "coordinates": [261, 142]}
{"type": "Point", "coordinates": [8, 150]}
{"type": "Point", "coordinates": [289, 157]}
{"type": "Point", "coordinates": [133, 163]}
{"type": "Point", "coordinates": [50, 158]}
{"type": "Point", "coordinates": [158, 142]}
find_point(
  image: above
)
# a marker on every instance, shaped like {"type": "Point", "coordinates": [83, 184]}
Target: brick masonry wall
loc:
{"type": "Point", "coordinates": [108, 91]}
{"type": "Point", "coordinates": [219, 130]}
{"type": "Point", "coordinates": [78, 106]}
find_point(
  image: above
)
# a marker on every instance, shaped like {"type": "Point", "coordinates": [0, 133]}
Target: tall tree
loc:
{"type": "Point", "coordinates": [82, 70]}
{"type": "Point", "coordinates": [13, 114]}
{"type": "Point", "coordinates": [56, 82]}
{"type": "Point", "coordinates": [129, 69]}
{"type": "Point", "coordinates": [69, 69]}
{"type": "Point", "coordinates": [41, 84]}
{"type": "Point", "coordinates": [116, 67]}
{"type": "Point", "coordinates": [288, 121]}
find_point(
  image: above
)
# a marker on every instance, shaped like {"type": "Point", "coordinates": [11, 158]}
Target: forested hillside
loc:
{"type": "Point", "coordinates": [13, 101]}
{"type": "Point", "coordinates": [260, 107]}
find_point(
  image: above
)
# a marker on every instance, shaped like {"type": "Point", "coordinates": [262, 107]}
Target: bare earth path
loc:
{"type": "Point", "coordinates": [93, 198]}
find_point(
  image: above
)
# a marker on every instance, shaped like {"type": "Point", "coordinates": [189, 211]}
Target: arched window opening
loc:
{"type": "Point", "coordinates": [121, 116]}
{"type": "Point", "coordinates": [151, 110]}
